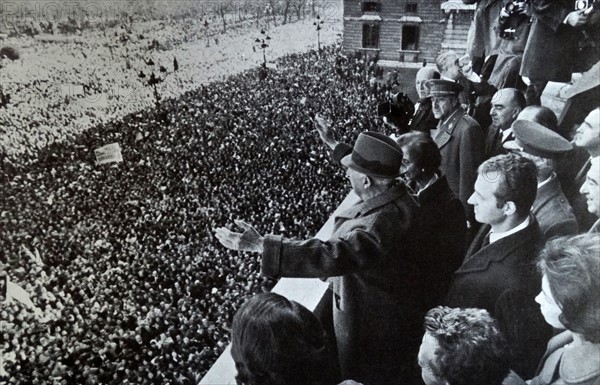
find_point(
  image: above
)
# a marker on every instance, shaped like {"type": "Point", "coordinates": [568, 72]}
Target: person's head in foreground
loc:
{"type": "Point", "coordinates": [278, 342]}
{"type": "Point", "coordinates": [569, 299]}
{"type": "Point", "coordinates": [373, 164]}
{"type": "Point", "coordinates": [462, 347]}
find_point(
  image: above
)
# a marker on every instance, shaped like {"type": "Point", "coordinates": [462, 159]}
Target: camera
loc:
{"type": "Point", "coordinates": [583, 4]}
{"type": "Point", "coordinates": [515, 7]}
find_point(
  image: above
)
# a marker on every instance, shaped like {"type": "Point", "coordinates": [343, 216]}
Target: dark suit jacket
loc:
{"type": "Point", "coordinates": [494, 142]}
{"type": "Point", "coordinates": [551, 48]}
{"type": "Point", "coordinates": [442, 221]}
{"type": "Point", "coordinates": [423, 119]}
{"type": "Point", "coordinates": [553, 212]}
{"type": "Point", "coordinates": [461, 143]}
{"type": "Point", "coordinates": [502, 279]}
{"type": "Point", "coordinates": [373, 263]}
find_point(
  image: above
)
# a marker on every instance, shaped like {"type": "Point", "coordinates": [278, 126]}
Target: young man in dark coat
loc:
{"type": "Point", "coordinates": [372, 261]}
{"type": "Point", "coordinates": [498, 272]}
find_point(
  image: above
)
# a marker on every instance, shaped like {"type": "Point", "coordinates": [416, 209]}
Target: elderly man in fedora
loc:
{"type": "Point", "coordinates": [372, 263]}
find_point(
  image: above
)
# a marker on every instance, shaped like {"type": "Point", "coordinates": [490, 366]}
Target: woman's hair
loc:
{"type": "Point", "coordinates": [278, 342]}
{"type": "Point", "coordinates": [422, 150]}
{"type": "Point", "coordinates": [572, 267]}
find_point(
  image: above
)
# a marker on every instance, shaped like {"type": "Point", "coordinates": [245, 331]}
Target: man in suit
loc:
{"type": "Point", "coordinates": [507, 103]}
{"type": "Point", "coordinates": [372, 261]}
{"type": "Point", "coordinates": [551, 209]}
{"type": "Point", "coordinates": [587, 145]}
{"type": "Point", "coordinates": [423, 119]}
{"type": "Point", "coordinates": [459, 138]}
{"type": "Point", "coordinates": [498, 271]}
{"type": "Point", "coordinates": [591, 191]}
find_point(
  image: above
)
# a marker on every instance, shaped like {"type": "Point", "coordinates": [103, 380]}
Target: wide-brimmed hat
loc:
{"type": "Point", "coordinates": [375, 154]}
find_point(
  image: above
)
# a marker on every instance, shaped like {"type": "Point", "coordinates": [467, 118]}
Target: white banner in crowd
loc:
{"type": "Point", "coordinates": [109, 153]}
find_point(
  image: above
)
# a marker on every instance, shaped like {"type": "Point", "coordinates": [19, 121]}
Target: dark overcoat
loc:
{"type": "Point", "coordinates": [376, 283]}
{"type": "Point", "coordinates": [501, 278]}
{"type": "Point", "coordinates": [423, 119]}
{"type": "Point", "coordinates": [553, 212]}
{"type": "Point", "coordinates": [551, 48]}
{"type": "Point", "coordinates": [443, 224]}
{"type": "Point", "coordinates": [461, 143]}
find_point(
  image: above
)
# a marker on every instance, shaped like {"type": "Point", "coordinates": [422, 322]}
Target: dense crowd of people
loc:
{"type": "Point", "coordinates": [129, 284]}
{"type": "Point", "coordinates": [132, 286]}
{"type": "Point", "coordinates": [93, 78]}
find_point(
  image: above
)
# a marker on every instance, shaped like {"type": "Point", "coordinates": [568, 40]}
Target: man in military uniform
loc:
{"type": "Point", "coordinates": [543, 146]}
{"type": "Point", "coordinates": [459, 138]}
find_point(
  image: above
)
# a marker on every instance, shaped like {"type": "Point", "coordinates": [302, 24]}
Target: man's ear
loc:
{"type": "Point", "coordinates": [367, 181]}
{"type": "Point", "coordinates": [510, 208]}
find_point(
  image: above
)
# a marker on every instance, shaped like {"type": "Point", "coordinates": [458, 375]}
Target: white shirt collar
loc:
{"type": "Point", "coordinates": [498, 236]}
{"type": "Point", "coordinates": [546, 181]}
{"type": "Point", "coordinates": [506, 133]}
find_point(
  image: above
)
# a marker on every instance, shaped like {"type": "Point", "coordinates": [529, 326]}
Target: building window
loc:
{"type": "Point", "coordinates": [410, 38]}
{"type": "Point", "coordinates": [370, 36]}
{"type": "Point", "coordinates": [411, 8]}
{"type": "Point", "coordinates": [371, 6]}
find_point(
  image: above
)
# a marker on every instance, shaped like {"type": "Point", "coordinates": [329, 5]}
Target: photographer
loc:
{"type": "Point", "coordinates": [551, 51]}
{"type": "Point", "coordinates": [514, 24]}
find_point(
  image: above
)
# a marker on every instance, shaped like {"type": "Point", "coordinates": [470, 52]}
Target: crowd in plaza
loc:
{"type": "Point", "coordinates": [437, 274]}
{"type": "Point", "coordinates": [131, 284]}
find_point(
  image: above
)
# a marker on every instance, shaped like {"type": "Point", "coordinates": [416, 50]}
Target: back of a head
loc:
{"type": "Point", "coordinates": [278, 342]}
{"type": "Point", "coordinates": [540, 114]}
{"type": "Point", "coordinates": [471, 349]}
{"type": "Point", "coordinates": [517, 180]}
{"type": "Point", "coordinates": [422, 151]}
{"type": "Point", "coordinates": [427, 73]}
{"type": "Point", "coordinates": [444, 60]}
{"type": "Point", "coordinates": [572, 267]}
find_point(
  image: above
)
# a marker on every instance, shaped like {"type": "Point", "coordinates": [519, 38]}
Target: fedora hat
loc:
{"type": "Point", "coordinates": [375, 154]}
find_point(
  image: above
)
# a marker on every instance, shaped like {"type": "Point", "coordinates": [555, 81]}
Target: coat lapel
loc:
{"type": "Point", "coordinates": [545, 194]}
{"type": "Point", "coordinates": [479, 259]}
{"type": "Point", "coordinates": [447, 128]}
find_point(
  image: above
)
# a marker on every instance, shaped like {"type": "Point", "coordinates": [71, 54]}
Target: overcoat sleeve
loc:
{"type": "Point", "coordinates": [314, 258]}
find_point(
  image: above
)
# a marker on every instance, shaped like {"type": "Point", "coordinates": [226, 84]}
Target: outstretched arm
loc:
{"type": "Point", "coordinates": [249, 240]}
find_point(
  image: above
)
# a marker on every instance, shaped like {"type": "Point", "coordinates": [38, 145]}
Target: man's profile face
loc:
{"type": "Point", "coordinates": [453, 71]}
{"type": "Point", "coordinates": [426, 357]}
{"type": "Point", "coordinates": [357, 181]}
{"type": "Point", "coordinates": [485, 203]}
{"type": "Point", "coordinates": [588, 133]}
{"type": "Point", "coordinates": [591, 188]}
{"type": "Point", "coordinates": [503, 112]}
{"type": "Point", "coordinates": [443, 106]}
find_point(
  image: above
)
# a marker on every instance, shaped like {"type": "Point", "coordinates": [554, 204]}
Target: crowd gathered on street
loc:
{"type": "Point", "coordinates": [470, 255]}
